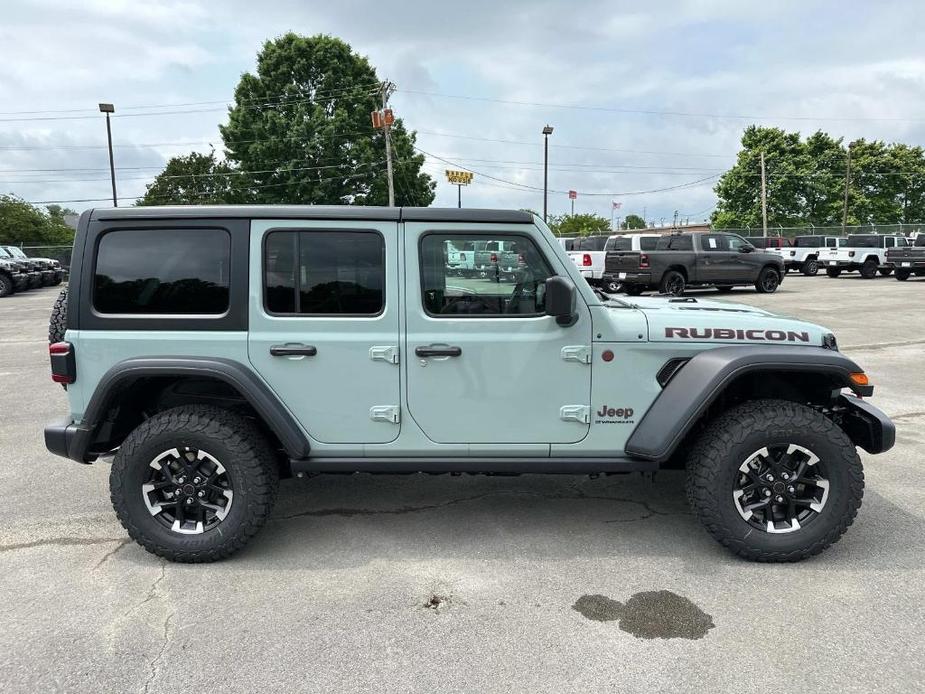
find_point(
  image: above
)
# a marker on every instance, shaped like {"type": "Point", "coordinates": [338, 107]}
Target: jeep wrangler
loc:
{"type": "Point", "coordinates": [210, 351]}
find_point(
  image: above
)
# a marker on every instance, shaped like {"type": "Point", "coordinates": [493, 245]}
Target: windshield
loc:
{"type": "Point", "coordinates": [16, 252]}
{"type": "Point", "coordinates": [5, 253]}
{"type": "Point", "coordinates": [867, 241]}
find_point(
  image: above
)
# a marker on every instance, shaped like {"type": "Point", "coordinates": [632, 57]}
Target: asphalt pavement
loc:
{"type": "Point", "coordinates": [472, 583]}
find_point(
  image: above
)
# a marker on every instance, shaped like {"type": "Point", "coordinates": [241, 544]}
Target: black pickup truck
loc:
{"type": "Point", "coordinates": [908, 260]}
{"type": "Point", "coordinates": [695, 259]}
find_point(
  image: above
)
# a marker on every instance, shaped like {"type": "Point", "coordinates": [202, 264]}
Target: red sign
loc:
{"type": "Point", "coordinates": [572, 194]}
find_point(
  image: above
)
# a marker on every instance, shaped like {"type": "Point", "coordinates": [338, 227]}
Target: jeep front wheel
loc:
{"type": "Point", "coordinates": [810, 267]}
{"type": "Point", "coordinates": [833, 271]}
{"type": "Point", "coordinates": [194, 483]}
{"type": "Point", "coordinates": [774, 480]}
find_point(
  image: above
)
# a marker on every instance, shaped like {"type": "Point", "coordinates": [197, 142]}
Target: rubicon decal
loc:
{"type": "Point", "coordinates": [736, 334]}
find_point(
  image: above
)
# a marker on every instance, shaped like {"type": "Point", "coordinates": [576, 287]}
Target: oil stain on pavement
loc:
{"type": "Point", "coordinates": [657, 614]}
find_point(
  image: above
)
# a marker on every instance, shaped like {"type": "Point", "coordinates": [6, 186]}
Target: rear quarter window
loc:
{"type": "Point", "coordinates": [174, 272]}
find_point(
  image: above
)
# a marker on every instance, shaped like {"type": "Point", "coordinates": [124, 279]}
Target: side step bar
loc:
{"type": "Point", "coordinates": [541, 466]}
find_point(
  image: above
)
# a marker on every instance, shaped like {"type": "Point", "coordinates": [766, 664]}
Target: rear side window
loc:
{"type": "Point", "coordinates": [648, 243]}
{"type": "Point", "coordinates": [324, 273]}
{"type": "Point", "coordinates": [162, 272]}
{"type": "Point", "coordinates": [590, 243]}
{"type": "Point", "coordinates": [620, 244]}
{"type": "Point", "coordinates": [679, 242]}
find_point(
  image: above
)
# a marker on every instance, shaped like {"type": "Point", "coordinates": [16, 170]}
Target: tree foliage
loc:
{"type": "Point", "coordinates": [301, 127]}
{"type": "Point", "coordinates": [578, 224]}
{"type": "Point", "coordinates": [633, 221]}
{"type": "Point", "coordinates": [196, 179]}
{"type": "Point", "coordinates": [806, 181]}
{"type": "Point", "coordinates": [22, 223]}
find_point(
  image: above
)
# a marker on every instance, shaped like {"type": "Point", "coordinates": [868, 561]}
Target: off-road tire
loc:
{"type": "Point", "coordinates": [672, 284]}
{"type": "Point", "coordinates": [833, 271]}
{"type": "Point", "coordinates": [7, 286]}
{"type": "Point", "coordinates": [232, 439]}
{"type": "Point", "coordinates": [810, 267]}
{"type": "Point", "coordinates": [57, 324]}
{"type": "Point", "coordinates": [886, 272]}
{"type": "Point", "coordinates": [765, 284]}
{"type": "Point", "coordinates": [902, 275]}
{"type": "Point", "coordinates": [869, 269]}
{"type": "Point", "coordinates": [726, 443]}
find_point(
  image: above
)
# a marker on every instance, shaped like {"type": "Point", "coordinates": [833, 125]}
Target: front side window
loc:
{"type": "Point", "coordinates": [714, 242]}
{"type": "Point", "coordinates": [162, 272]}
{"type": "Point", "coordinates": [509, 277]}
{"type": "Point", "coordinates": [324, 273]}
{"type": "Point", "coordinates": [737, 242]}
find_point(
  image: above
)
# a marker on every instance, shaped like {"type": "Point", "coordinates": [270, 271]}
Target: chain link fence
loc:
{"type": "Point", "coordinates": [790, 232]}
{"type": "Point", "coordinates": [60, 253]}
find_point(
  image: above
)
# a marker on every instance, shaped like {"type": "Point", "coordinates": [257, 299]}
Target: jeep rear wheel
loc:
{"type": "Point", "coordinates": [768, 281]}
{"type": "Point", "coordinates": [774, 480]}
{"type": "Point", "coordinates": [194, 483]}
{"type": "Point", "coordinates": [673, 283]}
{"type": "Point", "coordinates": [869, 269]}
{"type": "Point", "coordinates": [810, 267]}
{"type": "Point", "coordinates": [833, 271]}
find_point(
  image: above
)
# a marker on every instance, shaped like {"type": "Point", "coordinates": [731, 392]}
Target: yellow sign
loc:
{"type": "Point", "coordinates": [459, 178]}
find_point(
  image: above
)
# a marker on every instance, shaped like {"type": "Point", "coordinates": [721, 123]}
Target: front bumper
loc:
{"type": "Point", "coordinates": [67, 440]}
{"type": "Point", "coordinates": [866, 425]}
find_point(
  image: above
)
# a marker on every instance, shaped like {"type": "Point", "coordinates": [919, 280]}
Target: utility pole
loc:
{"type": "Point", "coordinates": [547, 131]}
{"type": "Point", "coordinates": [107, 109]}
{"type": "Point", "coordinates": [844, 214]}
{"type": "Point", "coordinates": [764, 199]}
{"type": "Point", "coordinates": [387, 89]}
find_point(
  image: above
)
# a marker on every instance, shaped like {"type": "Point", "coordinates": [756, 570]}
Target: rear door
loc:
{"type": "Point", "coordinates": [323, 330]}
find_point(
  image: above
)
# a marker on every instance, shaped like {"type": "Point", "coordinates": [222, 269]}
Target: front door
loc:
{"type": "Point", "coordinates": [485, 365]}
{"type": "Point", "coordinates": [323, 329]}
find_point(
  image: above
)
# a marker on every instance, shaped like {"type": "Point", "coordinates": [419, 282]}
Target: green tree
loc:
{"type": "Point", "coordinates": [578, 224]}
{"type": "Point", "coordinates": [196, 179]}
{"type": "Point", "coordinates": [23, 223]}
{"type": "Point", "coordinates": [633, 221]}
{"type": "Point", "coordinates": [822, 164]}
{"type": "Point", "coordinates": [301, 129]}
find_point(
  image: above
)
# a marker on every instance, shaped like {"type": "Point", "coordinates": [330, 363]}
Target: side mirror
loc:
{"type": "Point", "coordinates": [561, 297]}
{"type": "Point", "coordinates": [748, 248]}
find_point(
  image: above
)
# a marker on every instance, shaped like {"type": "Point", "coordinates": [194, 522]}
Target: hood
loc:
{"type": "Point", "coordinates": [690, 320]}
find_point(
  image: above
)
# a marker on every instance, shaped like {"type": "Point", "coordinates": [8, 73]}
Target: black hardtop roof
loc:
{"type": "Point", "coordinates": [323, 212]}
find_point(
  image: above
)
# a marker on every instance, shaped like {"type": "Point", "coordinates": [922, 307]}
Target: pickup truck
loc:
{"type": "Point", "coordinates": [908, 260]}
{"type": "Point", "coordinates": [590, 256]}
{"type": "Point", "coordinates": [496, 260]}
{"type": "Point", "coordinates": [863, 252]}
{"type": "Point", "coordinates": [460, 262]}
{"type": "Point", "coordinates": [697, 259]}
{"type": "Point", "coordinates": [803, 255]}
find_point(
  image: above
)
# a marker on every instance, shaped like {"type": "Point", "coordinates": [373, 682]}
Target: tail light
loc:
{"type": "Point", "coordinates": [494, 257]}
{"type": "Point", "coordinates": [63, 365]}
{"type": "Point", "coordinates": [643, 260]}
{"type": "Point", "coordinates": [586, 260]}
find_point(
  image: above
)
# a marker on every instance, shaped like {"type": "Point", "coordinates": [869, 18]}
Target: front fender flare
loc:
{"type": "Point", "coordinates": [698, 383]}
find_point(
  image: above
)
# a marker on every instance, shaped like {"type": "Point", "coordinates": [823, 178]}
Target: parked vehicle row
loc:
{"type": "Point", "coordinates": [865, 253]}
{"type": "Point", "coordinates": [19, 272]}
{"type": "Point", "coordinates": [908, 260]}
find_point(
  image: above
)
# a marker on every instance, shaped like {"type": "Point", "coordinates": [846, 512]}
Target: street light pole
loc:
{"type": "Point", "coordinates": [107, 109]}
{"type": "Point", "coordinates": [547, 131]}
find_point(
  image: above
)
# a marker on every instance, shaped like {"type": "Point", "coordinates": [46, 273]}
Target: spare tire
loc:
{"type": "Point", "coordinates": [57, 324]}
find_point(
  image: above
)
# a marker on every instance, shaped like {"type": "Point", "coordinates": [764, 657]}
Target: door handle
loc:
{"type": "Point", "coordinates": [293, 351]}
{"type": "Point", "coordinates": [438, 351]}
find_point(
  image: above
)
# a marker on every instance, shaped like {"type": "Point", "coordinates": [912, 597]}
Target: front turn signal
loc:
{"type": "Point", "coordinates": [860, 379]}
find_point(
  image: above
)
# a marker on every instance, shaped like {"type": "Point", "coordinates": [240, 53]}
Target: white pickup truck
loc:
{"type": "Point", "coordinates": [590, 253]}
{"type": "Point", "coordinates": [863, 252]}
{"type": "Point", "coordinates": [804, 254]}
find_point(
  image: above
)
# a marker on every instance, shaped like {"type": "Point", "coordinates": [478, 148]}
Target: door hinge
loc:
{"type": "Point", "coordinates": [579, 353]}
{"type": "Point", "coordinates": [385, 413]}
{"type": "Point", "coordinates": [575, 413]}
{"type": "Point", "coordinates": [387, 353]}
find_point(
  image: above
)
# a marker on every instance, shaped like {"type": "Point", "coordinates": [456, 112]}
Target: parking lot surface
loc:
{"type": "Point", "coordinates": [471, 583]}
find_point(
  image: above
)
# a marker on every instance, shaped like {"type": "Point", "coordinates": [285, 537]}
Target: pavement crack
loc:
{"type": "Point", "coordinates": [155, 662]}
{"type": "Point", "coordinates": [152, 591]}
{"type": "Point", "coordinates": [63, 541]}
{"type": "Point", "coordinates": [110, 553]}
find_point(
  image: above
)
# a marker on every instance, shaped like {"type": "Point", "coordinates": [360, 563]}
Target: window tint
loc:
{"type": "Point", "coordinates": [648, 243]}
{"type": "Point", "coordinates": [620, 243]}
{"type": "Point", "coordinates": [677, 242]}
{"type": "Point", "coordinates": [162, 271]}
{"type": "Point", "coordinates": [737, 242]}
{"type": "Point", "coordinates": [591, 243]}
{"type": "Point", "coordinates": [809, 241]}
{"type": "Point", "coordinates": [324, 273]}
{"type": "Point", "coordinates": [866, 241]}
{"type": "Point", "coordinates": [507, 281]}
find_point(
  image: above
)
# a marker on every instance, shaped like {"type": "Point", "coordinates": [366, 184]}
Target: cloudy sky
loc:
{"type": "Point", "coordinates": [643, 96]}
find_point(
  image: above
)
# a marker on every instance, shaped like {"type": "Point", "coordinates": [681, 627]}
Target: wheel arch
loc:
{"type": "Point", "coordinates": [716, 379]}
{"type": "Point", "coordinates": [131, 389]}
{"type": "Point", "coordinates": [676, 268]}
